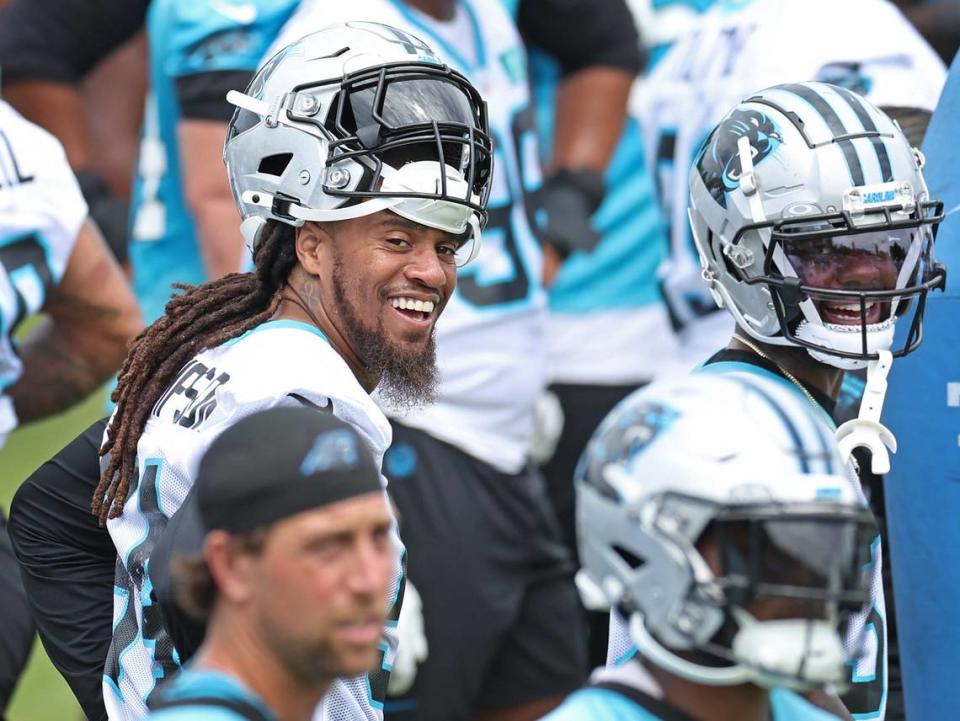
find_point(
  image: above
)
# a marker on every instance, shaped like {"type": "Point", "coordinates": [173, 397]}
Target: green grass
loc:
{"type": "Point", "coordinates": [42, 694]}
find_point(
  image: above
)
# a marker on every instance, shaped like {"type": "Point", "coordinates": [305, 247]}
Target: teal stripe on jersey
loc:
{"type": "Point", "coordinates": [620, 273]}
{"type": "Point", "coordinates": [277, 324]}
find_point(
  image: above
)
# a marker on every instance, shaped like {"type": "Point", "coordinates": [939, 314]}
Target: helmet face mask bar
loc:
{"type": "Point", "coordinates": [433, 112]}
{"type": "Point", "coordinates": [790, 577]}
{"type": "Point", "coordinates": [796, 248]}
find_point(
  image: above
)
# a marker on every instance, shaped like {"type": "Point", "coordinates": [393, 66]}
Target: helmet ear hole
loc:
{"type": "Point", "coordinates": [275, 164]}
{"type": "Point", "coordinates": [632, 560]}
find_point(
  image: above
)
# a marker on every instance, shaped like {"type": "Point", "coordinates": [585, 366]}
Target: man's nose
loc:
{"type": "Point", "coordinates": [426, 267]}
{"type": "Point", "coordinates": [860, 270]}
{"type": "Point", "coordinates": [370, 571]}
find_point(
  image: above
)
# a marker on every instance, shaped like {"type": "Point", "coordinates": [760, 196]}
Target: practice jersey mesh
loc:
{"type": "Point", "coordinates": [279, 363]}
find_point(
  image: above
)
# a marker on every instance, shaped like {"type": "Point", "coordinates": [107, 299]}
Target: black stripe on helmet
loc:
{"type": "Point", "coordinates": [840, 135]}
{"type": "Point", "coordinates": [868, 125]}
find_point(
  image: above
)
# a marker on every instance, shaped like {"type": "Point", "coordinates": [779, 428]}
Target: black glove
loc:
{"type": "Point", "coordinates": [108, 211]}
{"type": "Point", "coordinates": [570, 198]}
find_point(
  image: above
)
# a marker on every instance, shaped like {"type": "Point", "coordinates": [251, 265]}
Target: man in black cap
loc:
{"type": "Point", "coordinates": [292, 580]}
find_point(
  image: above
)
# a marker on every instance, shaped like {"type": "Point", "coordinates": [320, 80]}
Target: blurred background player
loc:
{"type": "Point", "coordinates": [293, 576]}
{"type": "Point", "coordinates": [328, 294]}
{"type": "Point", "coordinates": [794, 312]}
{"type": "Point", "coordinates": [717, 514]}
{"type": "Point", "coordinates": [83, 80]}
{"type": "Point", "coordinates": [52, 260]}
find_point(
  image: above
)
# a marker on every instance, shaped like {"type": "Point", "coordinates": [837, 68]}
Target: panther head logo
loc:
{"type": "Point", "coordinates": [719, 161]}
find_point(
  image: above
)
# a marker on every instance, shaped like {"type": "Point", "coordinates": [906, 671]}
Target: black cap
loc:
{"type": "Point", "coordinates": [280, 462]}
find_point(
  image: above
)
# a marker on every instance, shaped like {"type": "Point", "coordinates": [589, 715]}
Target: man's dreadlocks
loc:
{"type": "Point", "coordinates": [202, 316]}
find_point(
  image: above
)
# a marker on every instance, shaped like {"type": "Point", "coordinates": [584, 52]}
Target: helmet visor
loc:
{"type": "Point", "coordinates": [879, 260]}
{"type": "Point", "coordinates": [417, 101]}
{"type": "Point", "coordinates": [798, 561]}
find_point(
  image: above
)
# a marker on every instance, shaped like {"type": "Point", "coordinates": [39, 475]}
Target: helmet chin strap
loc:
{"type": "Point", "coordinates": [652, 650]}
{"type": "Point", "coordinates": [866, 431]}
{"type": "Point", "coordinates": [768, 654]}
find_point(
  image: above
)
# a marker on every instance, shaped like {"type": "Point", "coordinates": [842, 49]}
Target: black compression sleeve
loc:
{"type": "Point", "coordinates": [67, 563]}
{"type": "Point", "coordinates": [61, 40]}
{"type": "Point", "coordinates": [203, 96]}
{"type": "Point", "coordinates": [582, 33]}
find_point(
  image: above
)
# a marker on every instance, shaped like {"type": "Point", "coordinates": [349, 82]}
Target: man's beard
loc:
{"type": "Point", "coordinates": [408, 378]}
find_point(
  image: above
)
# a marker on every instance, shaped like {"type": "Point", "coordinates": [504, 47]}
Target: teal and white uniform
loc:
{"type": "Point", "coordinates": [207, 686]}
{"type": "Point", "coordinates": [41, 210]}
{"type": "Point", "coordinates": [278, 363]}
{"type": "Point", "coordinates": [187, 37]}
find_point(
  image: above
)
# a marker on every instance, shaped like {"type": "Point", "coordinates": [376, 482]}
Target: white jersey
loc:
{"type": "Point", "coordinates": [738, 48]}
{"type": "Point", "coordinates": [490, 336]}
{"type": "Point", "coordinates": [278, 363]}
{"type": "Point", "coordinates": [41, 210]}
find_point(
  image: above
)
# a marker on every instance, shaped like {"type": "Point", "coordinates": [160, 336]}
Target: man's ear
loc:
{"type": "Point", "coordinates": [314, 241]}
{"type": "Point", "coordinates": [230, 568]}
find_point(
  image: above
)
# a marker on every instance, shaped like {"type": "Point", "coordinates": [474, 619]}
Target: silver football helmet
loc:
{"type": "Point", "coordinates": [688, 525]}
{"type": "Point", "coordinates": [356, 118]}
{"type": "Point", "coordinates": [814, 224]}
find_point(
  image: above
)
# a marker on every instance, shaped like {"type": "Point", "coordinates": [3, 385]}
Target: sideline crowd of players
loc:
{"type": "Point", "coordinates": [326, 301]}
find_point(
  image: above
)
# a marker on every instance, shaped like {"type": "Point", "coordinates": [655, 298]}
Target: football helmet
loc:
{"type": "Point", "coordinates": [695, 530]}
{"type": "Point", "coordinates": [353, 119]}
{"type": "Point", "coordinates": [814, 224]}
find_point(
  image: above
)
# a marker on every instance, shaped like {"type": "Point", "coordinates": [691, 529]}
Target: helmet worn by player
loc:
{"type": "Point", "coordinates": [346, 122]}
{"type": "Point", "coordinates": [736, 550]}
{"type": "Point", "coordinates": [814, 224]}
{"type": "Point", "coordinates": [353, 119]}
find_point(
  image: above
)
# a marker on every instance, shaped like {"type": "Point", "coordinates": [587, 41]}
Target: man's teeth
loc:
{"type": "Point", "coordinates": [851, 307]}
{"type": "Point", "coordinates": [424, 306]}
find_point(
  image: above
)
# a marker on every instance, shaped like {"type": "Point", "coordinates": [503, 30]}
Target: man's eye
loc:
{"type": "Point", "coordinates": [447, 250]}
{"type": "Point", "coordinates": [398, 242]}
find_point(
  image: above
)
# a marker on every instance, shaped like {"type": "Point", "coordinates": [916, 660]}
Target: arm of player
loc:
{"type": "Point", "coordinates": [47, 47]}
{"type": "Point", "coordinates": [208, 195]}
{"type": "Point", "coordinates": [598, 69]}
{"type": "Point", "coordinates": [92, 316]}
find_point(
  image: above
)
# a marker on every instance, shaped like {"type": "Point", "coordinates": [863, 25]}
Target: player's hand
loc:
{"type": "Point", "coordinates": [412, 643]}
{"type": "Point", "coordinates": [570, 198]}
{"type": "Point", "coordinates": [109, 212]}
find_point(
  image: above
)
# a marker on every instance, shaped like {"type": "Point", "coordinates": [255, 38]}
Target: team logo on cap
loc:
{"type": "Point", "coordinates": [332, 450]}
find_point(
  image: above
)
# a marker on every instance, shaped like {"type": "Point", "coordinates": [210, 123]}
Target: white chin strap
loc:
{"type": "Point", "coordinates": [794, 653]}
{"type": "Point", "coordinates": [866, 430]}
{"type": "Point", "coordinates": [846, 338]}
{"type": "Point", "coordinates": [420, 177]}
{"type": "Point", "coordinates": [652, 650]}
